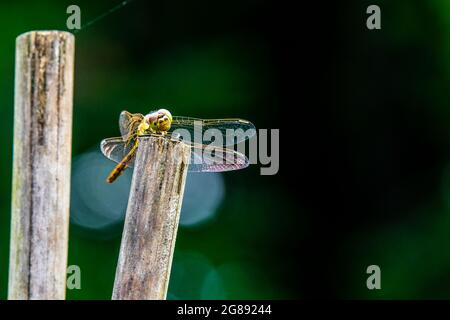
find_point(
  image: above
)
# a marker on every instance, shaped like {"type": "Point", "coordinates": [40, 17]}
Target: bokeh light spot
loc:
{"type": "Point", "coordinates": [95, 204]}
{"type": "Point", "coordinates": [194, 277]}
{"type": "Point", "coordinates": [213, 288]}
{"type": "Point", "coordinates": [202, 195]}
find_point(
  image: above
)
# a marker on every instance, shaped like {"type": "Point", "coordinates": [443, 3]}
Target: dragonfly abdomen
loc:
{"type": "Point", "coordinates": [122, 165]}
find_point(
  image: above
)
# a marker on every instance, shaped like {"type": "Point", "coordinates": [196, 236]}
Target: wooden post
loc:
{"type": "Point", "coordinates": [151, 222]}
{"type": "Point", "coordinates": [41, 165]}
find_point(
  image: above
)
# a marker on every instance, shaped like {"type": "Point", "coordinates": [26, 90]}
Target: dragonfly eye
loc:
{"type": "Point", "coordinates": [165, 113]}
{"type": "Point", "coordinates": [150, 119]}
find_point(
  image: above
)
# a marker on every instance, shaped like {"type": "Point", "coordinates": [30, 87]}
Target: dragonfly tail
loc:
{"type": "Point", "coordinates": [122, 165]}
{"type": "Point", "coordinates": [117, 171]}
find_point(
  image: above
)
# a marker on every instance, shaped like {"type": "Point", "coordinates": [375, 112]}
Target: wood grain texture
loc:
{"type": "Point", "coordinates": [41, 165]}
{"type": "Point", "coordinates": [152, 217]}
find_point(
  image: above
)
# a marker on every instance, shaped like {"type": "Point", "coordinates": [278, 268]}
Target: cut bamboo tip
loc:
{"type": "Point", "coordinates": [41, 165]}
{"type": "Point", "coordinates": [152, 217]}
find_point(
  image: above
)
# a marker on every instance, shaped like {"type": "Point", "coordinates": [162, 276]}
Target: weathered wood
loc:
{"type": "Point", "coordinates": [41, 165]}
{"type": "Point", "coordinates": [151, 222]}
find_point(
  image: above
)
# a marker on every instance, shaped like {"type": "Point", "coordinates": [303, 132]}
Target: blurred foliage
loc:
{"type": "Point", "coordinates": [395, 114]}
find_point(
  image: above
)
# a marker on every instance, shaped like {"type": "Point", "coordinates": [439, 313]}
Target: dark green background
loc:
{"type": "Point", "coordinates": [364, 127]}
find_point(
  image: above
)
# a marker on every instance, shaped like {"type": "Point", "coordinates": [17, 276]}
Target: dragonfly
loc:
{"type": "Point", "coordinates": [161, 123]}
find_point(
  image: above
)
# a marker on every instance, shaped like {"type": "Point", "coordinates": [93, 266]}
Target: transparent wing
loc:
{"type": "Point", "coordinates": [116, 149]}
{"type": "Point", "coordinates": [209, 158]}
{"type": "Point", "coordinates": [233, 131]}
{"type": "Point", "coordinates": [128, 123]}
{"type": "Point", "coordinates": [215, 159]}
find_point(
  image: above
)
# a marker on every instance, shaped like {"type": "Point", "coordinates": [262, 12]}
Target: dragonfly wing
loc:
{"type": "Point", "coordinates": [128, 123]}
{"type": "Point", "coordinates": [116, 149]}
{"type": "Point", "coordinates": [215, 159]}
{"type": "Point", "coordinates": [232, 131]}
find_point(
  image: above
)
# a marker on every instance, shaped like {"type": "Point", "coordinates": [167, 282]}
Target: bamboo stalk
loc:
{"type": "Point", "coordinates": [151, 222]}
{"type": "Point", "coordinates": [41, 165]}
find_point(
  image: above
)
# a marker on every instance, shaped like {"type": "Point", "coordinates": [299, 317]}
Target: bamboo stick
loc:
{"type": "Point", "coordinates": [151, 222]}
{"type": "Point", "coordinates": [41, 165]}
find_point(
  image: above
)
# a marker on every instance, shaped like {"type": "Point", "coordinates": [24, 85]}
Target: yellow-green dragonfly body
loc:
{"type": "Point", "coordinates": [161, 123]}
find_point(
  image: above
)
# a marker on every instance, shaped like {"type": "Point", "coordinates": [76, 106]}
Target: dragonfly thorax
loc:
{"type": "Point", "coordinates": [142, 128]}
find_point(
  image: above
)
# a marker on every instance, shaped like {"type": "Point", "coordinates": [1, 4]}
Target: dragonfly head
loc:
{"type": "Point", "coordinates": [160, 120]}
